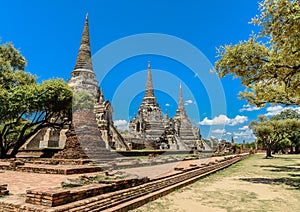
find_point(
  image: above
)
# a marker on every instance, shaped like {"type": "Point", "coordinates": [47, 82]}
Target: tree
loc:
{"type": "Point", "coordinates": [26, 106]}
{"type": "Point", "coordinates": [83, 100]}
{"type": "Point", "coordinates": [273, 133]}
{"type": "Point", "coordinates": [293, 136]}
{"type": "Point", "coordinates": [251, 145]}
{"type": "Point", "coordinates": [286, 114]}
{"type": "Point", "coordinates": [268, 64]}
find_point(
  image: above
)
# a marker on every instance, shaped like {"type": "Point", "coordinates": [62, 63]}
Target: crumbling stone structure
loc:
{"type": "Point", "coordinates": [168, 133]}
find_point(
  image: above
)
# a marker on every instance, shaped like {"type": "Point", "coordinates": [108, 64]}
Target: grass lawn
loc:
{"type": "Point", "coordinates": [254, 184]}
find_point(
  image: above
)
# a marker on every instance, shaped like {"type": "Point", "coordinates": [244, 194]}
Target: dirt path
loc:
{"type": "Point", "coordinates": [255, 184]}
{"type": "Point", "coordinates": [19, 182]}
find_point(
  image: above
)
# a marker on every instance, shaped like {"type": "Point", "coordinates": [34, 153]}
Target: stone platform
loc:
{"type": "Point", "coordinates": [51, 169]}
{"type": "Point", "coordinates": [94, 197]}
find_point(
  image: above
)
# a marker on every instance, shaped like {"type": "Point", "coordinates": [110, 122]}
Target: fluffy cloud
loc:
{"type": "Point", "coordinates": [219, 131]}
{"type": "Point", "coordinates": [244, 134]}
{"type": "Point", "coordinates": [188, 102]}
{"type": "Point", "coordinates": [121, 124]}
{"type": "Point", "coordinates": [274, 110]}
{"type": "Point", "coordinates": [224, 120]}
{"type": "Point", "coordinates": [249, 108]}
{"type": "Point", "coordinates": [238, 120]}
{"type": "Point", "coordinates": [167, 105]}
{"type": "Point", "coordinates": [244, 128]}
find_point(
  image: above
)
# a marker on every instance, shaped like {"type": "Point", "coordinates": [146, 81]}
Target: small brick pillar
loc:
{"type": "Point", "coordinates": [3, 190]}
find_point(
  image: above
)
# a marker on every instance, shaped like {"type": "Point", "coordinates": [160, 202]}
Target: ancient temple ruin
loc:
{"type": "Point", "coordinates": [83, 80]}
{"type": "Point", "coordinates": [149, 129]}
{"type": "Point", "coordinates": [149, 123]}
{"type": "Point", "coordinates": [83, 76]}
{"type": "Point", "coordinates": [186, 131]}
{"type": "Point", "coordinates": [166, 133]}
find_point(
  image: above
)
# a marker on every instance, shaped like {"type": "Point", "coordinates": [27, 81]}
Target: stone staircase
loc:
{"type": "Point", "coordinates": [180, 143]}
{"type": "Point", "coordinates": [187, 137]}
{"type": "Point", "coordinates": [155, 129]}
{"type": "Point", "coordinates": [118, 139]}
{"type": "Point", "coordinates": [89, 137]}
{"type": "Point", "coordinates": [206, 146]}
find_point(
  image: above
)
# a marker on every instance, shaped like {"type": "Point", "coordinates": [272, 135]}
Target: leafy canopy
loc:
{"type": "Point", "coordinates": [280, 130]}
{"type": "Point", "coordinates": [83, 100]}
{"type": "Point", "coordinates": [286, 114]}
{"type": "Point", "coordinates": [268, 64]}
{"type": "Point", "coordinates": [26, 106]}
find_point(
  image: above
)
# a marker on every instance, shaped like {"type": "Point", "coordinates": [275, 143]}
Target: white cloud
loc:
{"type": "Point", "coordinates": [274, 110]}
{"type": "Point", "coordinates": [189, 101]}
{"type": "Point", "coordinates": [219, 131]}
{"type": "Point", "coordinates": [218, 120]}
{"type": "Point", "coordinates": [249, 108]}
{"type": "Point", "coordinates": [238, 120]}
{"type": "Point", "coordinates": [244, 134]}
{"type": "Point", "coordinates": [224, 120]}
{"type": "Point", "coordinates": [167, 105]}
{"type": "Point", "coordinates": [244, 128]}
{"type": "Point", "coordinates": [121, 124]}
{"type": "Point", "coordinates": [228, 133]}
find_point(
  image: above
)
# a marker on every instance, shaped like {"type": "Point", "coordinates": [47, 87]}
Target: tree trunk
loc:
{"type": "Point", "coordinates": [297, 150]}
{"type": "Point", "coordinates": [292, 149]}
{"type": "Point", "coordinates": [23, 138]}
{"type": "Point", "coordinates": [15, 151]}
{"type": "Point", "coordinates": [269, 155]}
{"type": "Point", "coordinates": [2, 149]}
{"type": "Point", "coordinates": [2, 152]}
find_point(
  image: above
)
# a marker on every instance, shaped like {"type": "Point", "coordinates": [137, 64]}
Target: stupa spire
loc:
{"type": "Point", "coordinates": [84, 60]}
{"type": "Point", "coordinates": [149, 93]}
{"type": "Point", "coordinates": [180, 100]}
{"type": "Point", "coordinates": [167, 115]}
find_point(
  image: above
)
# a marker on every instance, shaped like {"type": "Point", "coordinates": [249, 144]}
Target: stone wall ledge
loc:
{"type": "Point", "coordinates": [58, 196]}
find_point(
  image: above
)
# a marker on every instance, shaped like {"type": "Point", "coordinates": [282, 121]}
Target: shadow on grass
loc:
{"type": "Point", "coordinates": [294, 175]}
{"type": "Point", "coordinates": [293, 182]}
{"type": "Point", "coordinates": [287, 168]}
{"type": "Point", "coordinates": [282, 157]}
{"type": "Point", "coordinates": [290, 157]}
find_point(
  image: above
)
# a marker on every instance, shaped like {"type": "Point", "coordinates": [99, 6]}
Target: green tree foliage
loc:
{"type": "Point", "coordinates": [25, 106]}
{"type": "Point", "coordinates": [83, 100]}
{"type": "Point", "coordinates": [250, 145]}
{"type": "Point", "coordinates": [294, 136]}
{"type": "Point", "coordinates": [286, 114]}
{"type": "Point", "coordinates": [268, 64]}
{"type": "Point", "coordinates": [274, 134]}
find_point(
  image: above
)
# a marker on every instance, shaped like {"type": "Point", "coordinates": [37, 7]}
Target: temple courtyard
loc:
{"type": "Point", "coordinates": [254, 184]}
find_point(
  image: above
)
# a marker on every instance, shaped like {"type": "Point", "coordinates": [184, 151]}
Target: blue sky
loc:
{"type": "Point", "coordinates": [178, 37]}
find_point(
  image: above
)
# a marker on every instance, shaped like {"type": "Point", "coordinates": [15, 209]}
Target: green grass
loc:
{"type": "Point", "coordinates": [254, 184]}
